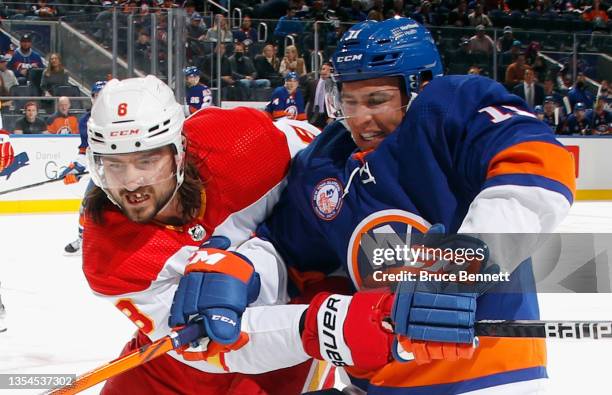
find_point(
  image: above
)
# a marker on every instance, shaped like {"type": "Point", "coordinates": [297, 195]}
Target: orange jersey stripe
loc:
{"type": "Point", "coordinates": [494, 355]}
{"type": "Point", "coordinates": [537, 158]}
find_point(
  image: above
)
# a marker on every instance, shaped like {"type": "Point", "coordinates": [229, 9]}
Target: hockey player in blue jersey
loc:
{"type": "Point", "coordinates": [579, 122]}
{"type": "Point", "coordinates": [414, 152]}
{"type": "Point", "coordinates": [287, 101]}
{"type": "Point", "coordinates": [197, 95]}
{"type": "Point", "coordinates": [72, 173]}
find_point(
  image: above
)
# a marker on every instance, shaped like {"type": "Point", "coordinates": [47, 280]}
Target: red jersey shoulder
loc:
{"type": "Point", "coordinates": [241, 156]}
{"type": "Point", "coordinates": [121, 256]}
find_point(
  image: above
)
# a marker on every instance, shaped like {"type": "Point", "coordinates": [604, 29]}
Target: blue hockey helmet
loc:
{"type": "Point", "coordinates": [393, 47]}
{"type": "Point", "coordinates": [292, 75]}
{"type": "Point", "coordinates": [538, 109]}
{"type": "Point", "coordinates": [97, 87]}
{"type": "Point", "coordinates": [191, 71]}
{"type": "Point", "coordinates": [580, 106]}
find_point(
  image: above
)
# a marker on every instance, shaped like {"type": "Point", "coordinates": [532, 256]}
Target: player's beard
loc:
{"type": "Point", "coordinates": [156, 201]}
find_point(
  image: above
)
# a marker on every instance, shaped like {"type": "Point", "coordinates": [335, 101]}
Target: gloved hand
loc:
{"type": "Point", "coordinates": [216, 289]}
{"type": "Point", "coordinates": [71, 174]}
{"type": "Point", "coordinates": [435, 319]}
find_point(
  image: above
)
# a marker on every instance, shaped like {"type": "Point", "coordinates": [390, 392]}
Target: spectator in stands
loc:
{"type": "Point", "coordinates": [424, 15]}
{"type": "Point", "coordinates": [190, 7]}
{"type": "Point", "coordinates": [459, 15]}
{"type": "Point", "coordinates": [596, 13]}
{"type": "Point", "coordinates": [551, 92]}
{"type": "Point", "coordinates": [226, 33]}
{"type": "Point", "coordinates": [579, 93]}
{"type": "Point", "coordinates": [288, 25]}
{"type": "Point", "coordinates": [531, 92]}
{"type": "Point", "coordinates": [356, 13]}
{"type": "Point", "coordinates": [6, 46]}
{"type": "Point", "coordinates": [4, 92]}
{"type": "Point", "coordinates": [478, 17]}
{"type": "Point", "coordinates": [605, 95]}
{"type": "Point", "coordinates": [196, 34]}
{"type": "Point", "coordinates": [577, 122]}
{"type": "Point", "coordinates": [142, 50]}
{"type": "Point", "coordinates": [601, 120]}
{"type": "Point", "coordinates": [540, 68]}
{"type": "Point", "coordinates": [516, 71]}
{"type": "Point", "coordinates": [247, 33]}
{"type": "Point", "coordinates": [552, 115]}
{"type": "Point", "coordinates": [509, 57]}
{"type": "Point", "coordinates": [505, 42]}
{"type": "Point", "coordinates": [62, 122]}
{"type": "Point", "coordinates": [481, 43]}
{"type": "Point", "coordinates": [474, 70]}
{"type": "Point", "coordinates": [375, 15]}
{"type": "Point", "coordinates": [244, 71]}
{"type": "Point", "coordinates": [315, 110]}
{"type": "Point", "coordinates": [398, 8]}
{"type": "Point", "coordinates": [292, 62]}
{"type": "Point", "coordinates": [167, 4]}
{"type": "Point", "coordinates": [287, 101]}
{"type": "Point", "coordinates": [30, 123]}
{"type": "Point", "coordinates": [232, 90]}
{"type": "Point", "coordinates": [268, 65]}
{"type": "Point", "coordinates": [54, 75]}
{"type": "Point", "coordinates": [25, 58]}
{"type": "Point", "coordinates": [8, 77]}
{"type": "Point", "coordinates": [43, 10]}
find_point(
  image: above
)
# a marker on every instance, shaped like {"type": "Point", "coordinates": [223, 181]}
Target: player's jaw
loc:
{"type": "Point", "coordinates": [145, 203]}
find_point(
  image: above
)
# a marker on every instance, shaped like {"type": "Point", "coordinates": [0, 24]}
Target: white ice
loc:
{"type": "Point", "coordinates": [56, 324]}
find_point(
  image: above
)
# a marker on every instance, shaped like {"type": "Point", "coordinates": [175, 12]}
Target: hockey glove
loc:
{"type": "Point", "coordinates": [71, 174]}
{"type": "Point", "coordinates": [435, 319]}
{"type": "Point", "coordinates": [349, 330]}
{"type": "Point", "coordinates": [216, 288]}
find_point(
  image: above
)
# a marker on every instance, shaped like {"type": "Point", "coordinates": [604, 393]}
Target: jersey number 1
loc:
{"type": "Point", "coordinates": [503, 113]}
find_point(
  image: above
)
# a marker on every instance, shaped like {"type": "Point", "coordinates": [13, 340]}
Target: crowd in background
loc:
{"type": "Point", "coordinates": [254, 70]}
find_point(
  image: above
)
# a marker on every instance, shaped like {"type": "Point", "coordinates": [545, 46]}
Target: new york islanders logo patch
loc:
{"type": "Point", "coordinates": [327, 198]}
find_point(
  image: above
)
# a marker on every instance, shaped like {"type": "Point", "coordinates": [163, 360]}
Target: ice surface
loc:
{"type": "Point", "coordinates": [56, 324]}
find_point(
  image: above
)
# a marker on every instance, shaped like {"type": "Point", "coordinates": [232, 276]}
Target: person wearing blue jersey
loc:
{"type": "Point", "coordinates": [578, 122]}
{"type": "Point", "coordinates": [73, 171]}
{"type": "Point", "coordinates": [418, 157]}
{"type": "Point", "coordinates": [287, 100]}
{"type": "Point", "coordinates": [197, 95]}
{"type": "Point", "coordinates": [414, 158]}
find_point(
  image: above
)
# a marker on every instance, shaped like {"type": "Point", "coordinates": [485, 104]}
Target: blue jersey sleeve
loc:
{"type": "Point", "coordinates": [481, 136]}
{"type": "Point", "coordinates": [83, 132]}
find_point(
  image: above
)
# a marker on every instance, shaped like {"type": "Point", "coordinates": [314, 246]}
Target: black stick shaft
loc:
{"type": "Point", "coordinates": [588, 330]}
{"type": "Point", "coordinates": [38, 184]}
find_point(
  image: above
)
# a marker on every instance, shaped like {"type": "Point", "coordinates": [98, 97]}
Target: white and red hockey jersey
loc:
{"type": "Point", "coordinates": [243, 160]}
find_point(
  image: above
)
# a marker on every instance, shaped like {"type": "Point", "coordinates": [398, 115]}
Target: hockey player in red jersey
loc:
{"type": "Point", "coordinates": [165, 186]}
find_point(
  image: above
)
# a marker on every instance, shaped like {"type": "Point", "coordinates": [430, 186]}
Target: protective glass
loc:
{"type": "Point", "coordinates": [341, 105]}
{"type": "Point", "coordinates": [134, 170]}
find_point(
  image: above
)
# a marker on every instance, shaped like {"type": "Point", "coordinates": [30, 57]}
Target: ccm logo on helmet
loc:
{"type": "Point", "coordinates": [124, 132]}
{"type": "Point", "coordinates": [349, 58]}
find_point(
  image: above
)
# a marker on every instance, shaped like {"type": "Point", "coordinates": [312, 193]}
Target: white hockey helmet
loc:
{"type": "Point", "coordinates": [134, 115]}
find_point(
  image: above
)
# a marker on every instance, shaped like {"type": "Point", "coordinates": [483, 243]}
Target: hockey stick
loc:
{"type": "Point", "coordinates": [135, 358]}
{"type": "Point", "coordinates": [38, 184]}
{"type": "Point", "coordinates": [591, 330]}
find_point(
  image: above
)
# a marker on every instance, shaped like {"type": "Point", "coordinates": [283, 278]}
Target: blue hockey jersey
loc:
{"type": "Point", "coordinates": [197, 97]}
{"type": "Point", "coordinates": [461, 136]}
{"type": "Point", "coordinates": [283, 104]}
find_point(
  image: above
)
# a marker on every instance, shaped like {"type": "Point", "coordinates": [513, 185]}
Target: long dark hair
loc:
{"type": "Point", "coordinates": [189, 194]}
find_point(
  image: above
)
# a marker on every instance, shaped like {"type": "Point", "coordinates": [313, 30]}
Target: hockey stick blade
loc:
{"type": "Point", "coordinates": [578, 330]}
{"type": "Point", "coordinates": [136, 358]}
{"type": "Point", "coordinates": [38, 184]}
